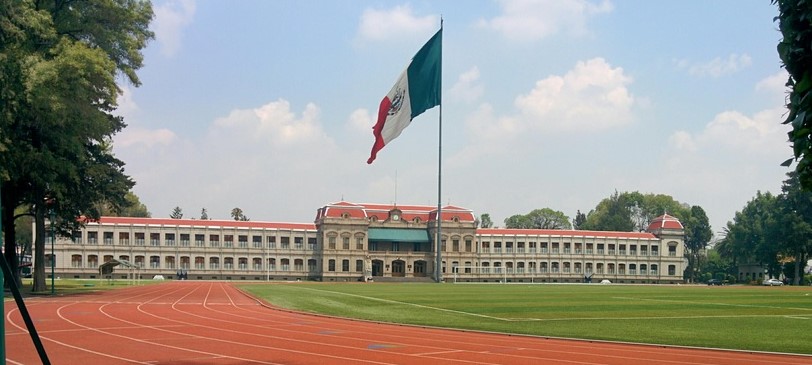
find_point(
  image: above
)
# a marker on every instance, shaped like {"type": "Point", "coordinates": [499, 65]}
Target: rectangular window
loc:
{"type": "Point", "coordinates": [359, 243]}
{"type": "Point", "coordinates": [455, 245]}
{"type": "Point", "coordinates": [108, 238]}
{"type": "Point", "coordinates": [228, 240]}
{"type": "Point", "coordinates": [199, 240]}
{"type": "Point", "coordinates": [359, 265]}
{"type": "Point", "coordinates": [242, 240]}
{"type": "Point", "coordinates": [298, 243]}
{"type": "Point", "coordinates": [468, 245]}
{"type": "Point", "coordinates": [345, 243]}
{"type": "Point", "coordinates": [257, 241]}
{"type": "Point", "coordinates": [345, 265]}
{"type": "Point", "coordinates": [154, 239]}
{"type": "Point", "coordinates": [285, 242]}
{"type": "Point", "coordinates": [311, 243]}
{"type": "Point", "coordinates": [169, 238]}
{"type": "Point", "coordinates": [331, 241]}
{"type": "Point", "coordinates": [331, 265]}
{"type": "Point", "coordinates": [271, 241]}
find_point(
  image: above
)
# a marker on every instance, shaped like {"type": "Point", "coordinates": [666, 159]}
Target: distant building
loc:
{"type": "Point", "coordinates": [350, 242]}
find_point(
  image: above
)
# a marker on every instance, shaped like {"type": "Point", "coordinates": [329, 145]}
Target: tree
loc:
{"type": "Point", "coordinates": [579, 220]}
{"type": "Point", "coordinates": [204, 214]}
{"type": "Point", "coordinates": [752, 235]}
{"type": "Point", "coordinates": [632, 211]}
{"type": "Point", "coordinates": [545, 218]}
{"type": "Point", "coordinates": [58, 91]}
{"type": "Point", "coordinates": [238, 215]}
{"type": "Point", "coordinates": [795, 52]}
{"type": "Point", "coordinates": [485, 221]}
{"type": "Point", "coordinates": [177, 213]}
{"type": "Point", "coordinates": [697, 235]}
{"type": "Point", "coordinates": [611, 214]}
{"type": "Point", "coordinates": [795, 219]}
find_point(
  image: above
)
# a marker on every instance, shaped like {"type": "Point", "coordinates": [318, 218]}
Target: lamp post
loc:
{"type": "Point", "coordinates": [53, 256]}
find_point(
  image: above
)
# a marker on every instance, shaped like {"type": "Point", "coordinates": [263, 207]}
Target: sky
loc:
{"type": "Point", "coordinates": [269, 105]}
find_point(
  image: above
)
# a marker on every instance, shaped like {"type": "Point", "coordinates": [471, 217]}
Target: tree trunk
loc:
{"type": "Point", "coordinates": [10, 236]}
{"type": "Point", "coordinates": [39, 249]}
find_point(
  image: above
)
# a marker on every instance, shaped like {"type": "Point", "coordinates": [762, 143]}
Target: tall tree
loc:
{"type": "Point", "coordinates": [579, 220]}
{"type": "Point", "coordinates": [795, 52]}
{"type": "Point", "coordinates": [58, 92]}
{"type": "Point", "coordinates": [752, 237]}
{"type": "Point", "coordinates": [177, 213]}
{"type": "Point", "coordinates": [485, 221]}
{"type": "Point", "coordinates": [544, 218]}
{"type": "Point", "coordinates": [697, 235]}
{"type": "Point", "coordinates": [795, 219]}
{"type": "Point", "coordinates": [238, 215]}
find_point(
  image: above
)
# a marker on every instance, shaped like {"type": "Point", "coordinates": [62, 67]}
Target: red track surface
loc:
{"type": "Point", "coordinates": [194, 322]}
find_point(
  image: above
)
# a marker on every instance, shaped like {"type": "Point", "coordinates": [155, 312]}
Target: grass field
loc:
{"type": "Point", "coordinates": [775, 319]}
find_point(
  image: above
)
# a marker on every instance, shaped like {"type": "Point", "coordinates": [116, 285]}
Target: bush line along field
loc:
{"type": "Point", "coordinates": [776, 319]}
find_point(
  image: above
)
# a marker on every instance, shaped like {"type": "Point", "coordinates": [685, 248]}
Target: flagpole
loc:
{"type": "Point", "coordinates": [439, 264]}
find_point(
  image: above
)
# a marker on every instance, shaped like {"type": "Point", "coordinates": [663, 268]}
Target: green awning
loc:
{"type": "Point", "coordinates": [398, 235]}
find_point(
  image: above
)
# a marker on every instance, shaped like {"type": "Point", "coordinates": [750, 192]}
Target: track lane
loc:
{"type": "Point", "coordinates": [195, 322]}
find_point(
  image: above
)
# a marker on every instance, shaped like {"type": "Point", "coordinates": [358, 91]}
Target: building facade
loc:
{"type": "Point", "coordinates": [350, 242]}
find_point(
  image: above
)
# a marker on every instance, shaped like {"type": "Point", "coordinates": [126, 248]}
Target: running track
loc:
{"type": "Point", "coordinates": [197, 322]}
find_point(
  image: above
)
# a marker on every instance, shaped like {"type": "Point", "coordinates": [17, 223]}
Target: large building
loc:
{"type": "Point", "coordinates": [350, 242]}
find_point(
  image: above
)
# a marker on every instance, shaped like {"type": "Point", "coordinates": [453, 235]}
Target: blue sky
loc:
{"type": "Point", "coordinates": [268, 105]}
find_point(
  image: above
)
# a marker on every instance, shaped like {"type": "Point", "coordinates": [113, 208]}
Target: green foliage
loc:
{"type": "Point", "coordinates": [707, 317]}
{"type": "Point", "coordinates": [795, 51]}
{"type": "Point", "coordinates": [697, 235]}
{"type": "Point", "coordinates": [579, 221]}
{"type": "Point", "coordinates": [773, 231]}
{"type": "Point", "coordinates": [238, 215]}
{"type": "Point", "coordinates": [632, 211]}
{"type": "Point", "coordinates": [58, 66]}
{"type": "Point", "coordinates": [544, 218]}
{"type": "Point", "coordinates": [177, 213]}
{"type": "Point", "coordinates": [485, 221]}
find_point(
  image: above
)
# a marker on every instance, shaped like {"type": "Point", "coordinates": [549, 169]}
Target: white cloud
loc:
{"type": "Point", "coordinates": [591, 97]}
{"type": "Point", "coordinates": [467, 88]}
{"type": "Point", "coordinates": [273, 122]}
{"type": "Point", "coordinates": [775, 84]}
{"type": "Point", "coordinates": [716, 67]}
{"type": "Point", "coordinates": [530, 20]}
{"type": "Point", "coordinates": [140, 137]}
{"type": "Point", "coordinates": [126, 104]}
{"type": "Point", "coordinates": [171, 17]}
{"type": "Point", "coordinates": [360, 120]}
{"type": "Point", "coordinates": [398, 22]}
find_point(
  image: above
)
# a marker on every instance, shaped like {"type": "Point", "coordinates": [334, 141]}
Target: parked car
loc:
{"type": "Point", "coordinates": [772, 282]}
{"type": "Point", "coordinates": [715, 282]}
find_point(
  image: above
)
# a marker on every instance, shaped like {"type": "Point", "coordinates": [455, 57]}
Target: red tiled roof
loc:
{"type": "Point", "coordinates": [381, 211]}
{"type": "Point", "coordinates": [664, 221]}
{"type": "Point", "coordinates": [203, 223]}
{"type": "Point", "coordinates": [562, 232]}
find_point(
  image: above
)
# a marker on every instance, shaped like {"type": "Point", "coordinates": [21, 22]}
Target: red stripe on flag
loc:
{"type": "Point", "coordinates": [383, 112]}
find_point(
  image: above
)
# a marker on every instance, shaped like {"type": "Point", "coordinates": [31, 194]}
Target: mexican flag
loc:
{"type": "Point", "coordinates": [417, 90]}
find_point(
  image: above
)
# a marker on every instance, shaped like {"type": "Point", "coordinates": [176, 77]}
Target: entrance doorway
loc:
{"type": "Point", "coordinates": [377, 268]}
{"type": "Point", "coordinates": [398, 268]}
{"type": "Point", "coordinates": [420, 269]}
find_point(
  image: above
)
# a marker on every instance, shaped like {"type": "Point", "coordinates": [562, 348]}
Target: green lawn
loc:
{"type": "Point", "coordinates": [736, 317]}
